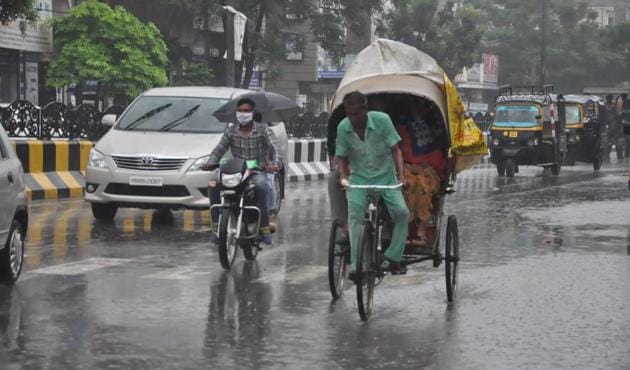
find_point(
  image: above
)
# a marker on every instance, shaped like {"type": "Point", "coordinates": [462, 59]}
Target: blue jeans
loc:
{"type": "Point", "coordinates": [263, 194]}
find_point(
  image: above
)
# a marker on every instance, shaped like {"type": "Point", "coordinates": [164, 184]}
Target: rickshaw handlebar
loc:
{"type": "Point", "coordinates": [378, 187]}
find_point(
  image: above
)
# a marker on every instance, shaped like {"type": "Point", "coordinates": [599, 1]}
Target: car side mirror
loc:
{"type": "Point", "coordinates": [538, 117]}
{"type": "Point", "coordinates": [108, 120]}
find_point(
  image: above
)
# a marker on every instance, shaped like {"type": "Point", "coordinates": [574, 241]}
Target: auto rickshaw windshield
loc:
{"type": "Point", "coordinates": [573, 114]}
{"type": "Point", "coordinates": [521, 115]}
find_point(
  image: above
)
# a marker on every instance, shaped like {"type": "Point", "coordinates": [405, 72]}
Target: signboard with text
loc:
{"type": "Point", "coordinates": [490, 68]}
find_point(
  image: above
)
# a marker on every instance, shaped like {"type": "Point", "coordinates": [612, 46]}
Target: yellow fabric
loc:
{"type": "Point", "coordinates": [468, 144]}
{"type": "Point", "coordinates": [424, 183]}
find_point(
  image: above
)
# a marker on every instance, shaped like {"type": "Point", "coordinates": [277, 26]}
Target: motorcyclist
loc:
{"type": "Point", "coordinates": [250, 140]}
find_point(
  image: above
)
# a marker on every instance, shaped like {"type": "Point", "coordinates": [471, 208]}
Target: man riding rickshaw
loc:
{"type": "Point", "coordinates": [424, 139]}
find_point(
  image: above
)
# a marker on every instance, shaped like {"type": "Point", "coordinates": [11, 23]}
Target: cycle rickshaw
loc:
{"type": "Point", "coordinates": [386, 71]}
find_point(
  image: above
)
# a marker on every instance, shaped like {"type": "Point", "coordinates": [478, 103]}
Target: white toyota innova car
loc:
{"type": "Point", "coordinates": [152, 156]}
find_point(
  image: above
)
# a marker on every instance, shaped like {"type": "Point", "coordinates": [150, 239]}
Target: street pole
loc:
{"type": "Point", "coordinates": [229, 63]}
{"type": "Point", "coordinates": [543, 43]}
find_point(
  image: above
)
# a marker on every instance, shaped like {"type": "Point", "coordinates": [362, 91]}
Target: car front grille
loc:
{"type": "Point", "coordinates": [147, 191]}
{"type": "Point", "coordinates": [149, 163]}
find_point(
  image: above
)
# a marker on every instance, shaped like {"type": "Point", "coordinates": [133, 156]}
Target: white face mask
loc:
{"type": "Point", "coordinates": [244, 118]}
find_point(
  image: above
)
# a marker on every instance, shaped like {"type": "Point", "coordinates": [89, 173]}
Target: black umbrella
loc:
{"type": "Point", "coordinates": [271, 106]}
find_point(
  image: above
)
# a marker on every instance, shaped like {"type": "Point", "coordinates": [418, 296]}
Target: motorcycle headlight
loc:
{"type": "Point", "coordinates": [231, 181]}
{"type": "Point", "coordinates": [97, 159]}
{"type": "Point", "coordinates": [495, 142]}
{"type": "Point", "coordinates": [196, 167]}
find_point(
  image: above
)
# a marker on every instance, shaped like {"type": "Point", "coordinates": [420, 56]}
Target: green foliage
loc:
{"type": "Point", "coordinates": [451, 36]}
{"type": "Point", "coordinates": [185, 73]}
{"type": "Point", "coordinates": [12, 10]}
{"type": "Point", "coordinates": [578, 52]}
{"type": "Point", "coordinates": [111, 46]}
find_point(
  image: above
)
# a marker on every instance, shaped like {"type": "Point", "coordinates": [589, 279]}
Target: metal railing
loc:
{"type": "Point", "coordinates": [308, 125]}
{"type": "Point", "coordinates": [55, 120]}
{"type": "Point", "coordinates": [58, 121]}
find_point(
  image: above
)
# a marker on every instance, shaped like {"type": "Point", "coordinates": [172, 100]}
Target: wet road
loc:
{"type": "Point", "coordinates": [544, 283]}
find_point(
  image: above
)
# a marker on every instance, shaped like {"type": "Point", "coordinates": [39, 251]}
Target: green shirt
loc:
{"type": "Point", "coordinates": [371, 159]}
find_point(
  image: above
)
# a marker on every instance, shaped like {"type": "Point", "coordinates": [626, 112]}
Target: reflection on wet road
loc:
{"type": "Point", "coordinates": [543, 284]}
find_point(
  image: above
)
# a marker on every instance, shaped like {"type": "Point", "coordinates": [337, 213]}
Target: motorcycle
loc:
{"type": "Point", "coordinates": [239, 219]}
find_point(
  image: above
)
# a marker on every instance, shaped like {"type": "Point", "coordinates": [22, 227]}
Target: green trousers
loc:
{"type": "Point", "coordinates": [395, 203]}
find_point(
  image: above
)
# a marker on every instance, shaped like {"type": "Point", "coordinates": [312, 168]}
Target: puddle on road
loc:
{"type": "Point", "coordinates": [608, 213]}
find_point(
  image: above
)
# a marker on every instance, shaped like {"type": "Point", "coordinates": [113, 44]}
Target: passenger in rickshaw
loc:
{"type": "Point", "coordinates": [423, 148]}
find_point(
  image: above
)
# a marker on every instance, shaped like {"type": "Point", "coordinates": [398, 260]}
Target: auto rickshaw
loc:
{"type": "Point", "coordinates": [528, 129]}
{"type": "Point", "coordinates": [623, 104]}
{"type": "Point", "coordinates": [586, 130]}
{"type": "Point", "coordinates": [398, 79]}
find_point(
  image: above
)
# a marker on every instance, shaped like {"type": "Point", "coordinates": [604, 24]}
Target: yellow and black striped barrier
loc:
{"type": "Point", "coordinates": [53, 168]}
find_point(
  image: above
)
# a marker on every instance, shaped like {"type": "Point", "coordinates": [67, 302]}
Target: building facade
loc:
{"type": "Point", "coordinates": [309, 74]}
{"type": "Point", "coordinates": [24, 57]}
{"type": "Point", "coordinates": [610, 12]}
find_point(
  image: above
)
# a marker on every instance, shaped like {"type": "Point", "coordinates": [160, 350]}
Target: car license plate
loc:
{"type": "Point", "coordinates": [513, 133]}
{"type": "Point", "coordinates": [145, 181]}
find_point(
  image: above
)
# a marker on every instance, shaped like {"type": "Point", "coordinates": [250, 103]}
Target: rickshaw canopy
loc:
{"type": "Point", "coordinates": [387, 66]}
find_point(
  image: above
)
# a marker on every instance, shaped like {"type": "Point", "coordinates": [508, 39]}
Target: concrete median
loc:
{"type": "Point", "coordinates": [53, 169]}
{"type": "Point", "coordinates": [308, 159]}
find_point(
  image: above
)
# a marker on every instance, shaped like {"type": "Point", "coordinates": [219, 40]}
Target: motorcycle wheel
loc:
{"type": "Point", "coordinates": [227, 239]}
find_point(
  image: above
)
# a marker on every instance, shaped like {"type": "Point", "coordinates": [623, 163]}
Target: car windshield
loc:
{"type": "Point", "coordinates": [574, 116]}
{"type": "Point", "coordinates": [173, 114]}
{"type": "Point", "coordinates": [516, 115]}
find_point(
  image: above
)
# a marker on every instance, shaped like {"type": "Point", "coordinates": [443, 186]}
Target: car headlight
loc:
{"type": "Point", "coordinates": [231, 181]}
{"type": "Point", "coordinates": [197, 166]}
{"type": "Point", "coordinates": [97, 159]}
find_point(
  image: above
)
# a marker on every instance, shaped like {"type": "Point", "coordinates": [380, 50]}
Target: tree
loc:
{"type": "Point", "coordinates": [12, 10]}
{"type": "Point", "coordinates": [452, 35]}
{"type": "Point", "coordinates": [578, 52]}
{"type": "Point", "coordinates": [263, 44]}
{"type": "Point", "coordinates": [186, 73]}
{"type": "Point", "coordinates": [111, 46]}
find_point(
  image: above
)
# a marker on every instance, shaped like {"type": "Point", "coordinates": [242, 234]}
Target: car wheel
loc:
{"type": "Point", "coordinates": [12, 255]}
{"type": "Point", "coordinates": [104, 211]}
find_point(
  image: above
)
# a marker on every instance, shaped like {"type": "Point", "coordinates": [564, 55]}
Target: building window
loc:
{"type": "Point", "coordinates": [9, 71]}
{"type": "Point", "coordinates": [334, 5]}
{"type": "Point", "coordinates": [605, 15]}
{"type": "Point", "coordinates": [294, 46]}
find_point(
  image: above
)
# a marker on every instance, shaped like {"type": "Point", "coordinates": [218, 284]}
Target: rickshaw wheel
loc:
{"type": "Point", "coordinates": [501, 169]}
{"type": "Point", "coordinates": [337, 266]}
{"type": "Point", "coordinates": [366, 274]}
{"type": "Point", "coordinates": [510, 167]}
{"type": "Point", "coordinates": [451, 258]}
{"type": "Point", "coordinates": [555, 169]}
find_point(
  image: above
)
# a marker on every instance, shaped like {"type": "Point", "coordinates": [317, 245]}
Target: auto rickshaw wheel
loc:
{"type": "Point", "coordinates": [510, 167]}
